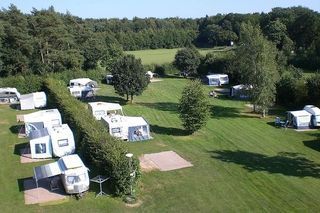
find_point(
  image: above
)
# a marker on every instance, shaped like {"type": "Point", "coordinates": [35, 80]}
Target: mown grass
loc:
{"type": "Point", "coordinates": [162, 56]}
{"type": "Point", "coordinates": [241, 162]}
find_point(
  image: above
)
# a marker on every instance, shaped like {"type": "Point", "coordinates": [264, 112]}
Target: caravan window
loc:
{"type": "Point", "coordinates": [40, 148]}
{"type": "Point", "coordinates": [99, 112]}
{"type": "Point", "coordinates": [76, 179]}
{"type": "Point", "coordinates": [115, 130]}
{"type": "Point", "coordinates": [63, 142]}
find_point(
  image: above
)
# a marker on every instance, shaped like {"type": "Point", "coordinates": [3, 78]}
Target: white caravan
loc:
{"type": "Point", "coordinates": [82, 87]}
{"type": "Point", "coordinates": [315, 115]}
{"type": "Point", "coordinates": [99, 109]}
{"type": "Point", "coordinates": [57, 141]}
{"type": "Point", "coordinates": [33, 100]}
{"type": "Point", "coordinates": [72, 171]}
{"type": "Point", "coordinates": [217, 79]}
{"type": "Point", "coordinates": [9, 95]}
{"type": "Point", "coordinates": [126, 127]}
{"type": "Point", "coordinates": [41, 119]}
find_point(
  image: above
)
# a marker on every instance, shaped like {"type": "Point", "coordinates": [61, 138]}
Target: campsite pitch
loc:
{"type": "Point", "coordinates": [163, 161]}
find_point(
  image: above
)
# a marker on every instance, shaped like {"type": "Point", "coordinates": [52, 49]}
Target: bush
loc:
{"type": "Point", "coordinates": [24, 84]}
{"type": "Point", "coordinates": [105, 153]}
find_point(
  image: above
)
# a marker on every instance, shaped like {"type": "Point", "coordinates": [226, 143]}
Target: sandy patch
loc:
{"type": "Point", "coordinates": [4, 122]}
{"type": "Point", "coordinates": [155, 80]}
{"type": "Point", "coordinates": [42, 194]}
{"type": "Point", "coordinates": [163, 161]}
{"type": "Point", "coordinates": [134, 205]}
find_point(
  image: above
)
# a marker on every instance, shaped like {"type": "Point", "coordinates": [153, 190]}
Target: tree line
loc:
{"type": "Point", "coordinates": [46, 41]}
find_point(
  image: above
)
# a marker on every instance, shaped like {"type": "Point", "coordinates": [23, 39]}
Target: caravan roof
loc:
{"type": "Point", "coordinates": [104, 106]}
{"type": "Point", "coordinates": [135, 121]}
{"type": "Point", "coordinates": [81, 81]}
{"type": "Point", "coordinates": [312, 109]}
{"type": "Point", "coordinates": [217, 76]}
{"type": "Point", "coordinates": [72, 161]}
{"type": "Point", "coordinates": [42, 115]}
{"type": "Point", "coordinates": [10, 90]}
{"type": "Point", "coordinates": [299, 113]}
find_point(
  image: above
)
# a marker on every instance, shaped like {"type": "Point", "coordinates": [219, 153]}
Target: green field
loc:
{"type": "Point", "coordinates": [162, 56]}
{"type": "Point", "coordinates": [241, 162]}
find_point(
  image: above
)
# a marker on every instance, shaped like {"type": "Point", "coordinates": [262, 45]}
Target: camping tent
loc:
{"type": "Point", "coordinates": [315, 114]}
{"type": "Point", "coordinates": [73, 173]}
{"type": "Point", "coordinates": [299, 119]}
{"type": "Point", "coordinates": [40, 145]}
{"type": "Point", "coordinates": [33, 100]}
{"type": "Point", "coordinates": [240, 91]}
{"type": "Point", "coordinates": [99, 109]}
{"type": "Point", "coordinates": [9, 95]}
{"type": "Point", "coordinates": [62, 140]}
{"type": "Point", "coordinates": [126, 127]}
{"type": "Point", "coordinates": [217, 79]}
{"type": "Point", "coordinates": [41, 119]}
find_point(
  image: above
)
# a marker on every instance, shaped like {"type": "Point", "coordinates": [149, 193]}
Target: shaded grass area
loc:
{"type": "Point", "coordinates": [241, 163]}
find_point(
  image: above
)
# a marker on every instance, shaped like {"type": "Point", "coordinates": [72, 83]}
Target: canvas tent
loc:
{"type": "Point", "coordinates": [9, 95]}
{"type": "Point", "coordinates": [127, 127]}
{"type": "Point", "coordinates": [33, 100]}
{"type": "Point", "coordinates": [40, 144]}
{"type": "Point", "coordinates": [62, 140]}
{"type": "Point", "coordinates": [315, 114]}
{"type": "Point", "coordinates": [217, 79]}
{"type": "Point", "coordinates": [240, 91]}
{"type": "Point", "coordinates": [299, 119]}
{"type": "Point", "coordinates": [41, 119]}
{"type": "Point", "coordinates": [73, 173]}
{"type": "Point", "coordinates": [99, 109]}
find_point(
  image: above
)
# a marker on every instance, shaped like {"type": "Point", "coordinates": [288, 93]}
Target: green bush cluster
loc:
{"type": "Point", "coordinates": [105, 153]}
{"type": "Point", "coordinates": [24, 84]}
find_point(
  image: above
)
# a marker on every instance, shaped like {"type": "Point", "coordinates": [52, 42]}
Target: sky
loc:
{"type": "Point", "coordinates": [159, 8]}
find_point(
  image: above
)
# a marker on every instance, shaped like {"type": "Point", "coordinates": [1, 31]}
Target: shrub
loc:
{"type": "Point", "coordinates": [24, 84]}
{"type": "Point", "coordinates": [105, 153]}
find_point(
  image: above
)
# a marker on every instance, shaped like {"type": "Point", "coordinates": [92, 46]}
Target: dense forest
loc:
{"type": "Point", "coordinates": [46, 41]}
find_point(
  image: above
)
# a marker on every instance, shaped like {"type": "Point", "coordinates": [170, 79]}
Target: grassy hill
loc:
{"type": "Point", "coordinates": [162, 56]}
{"type": "Point", "coordinates": [241, 162]}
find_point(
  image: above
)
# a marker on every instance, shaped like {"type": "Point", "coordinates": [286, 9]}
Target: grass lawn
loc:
{"type": "Point", "coordinates": [162, 56]}
{"type": "Point", "coordinates": [241, 162]}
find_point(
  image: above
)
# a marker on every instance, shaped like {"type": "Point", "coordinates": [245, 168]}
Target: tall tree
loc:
{"type": "Point", "coordinates": [17, 43]}
{"type": "Point", "coordinates": [187, 60]}
{"type": "Point", "coordinates": [129, 78]}
{"type": "Point", "coordinates": [255, 60]}
{"type": "Point", "coordinates": [193, 107]}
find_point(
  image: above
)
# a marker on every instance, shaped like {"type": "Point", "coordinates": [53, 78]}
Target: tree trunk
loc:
{"type": "Point", "coordinates": [254, 108]}
{"type": "Point", "coordinates": [131, 101]}
{"type": "Point", "coordinates": [41, 53]}
{"type": "Point", "coordinates": [127, 97]}
{"type": "Point", "coordinates": [264, 113]}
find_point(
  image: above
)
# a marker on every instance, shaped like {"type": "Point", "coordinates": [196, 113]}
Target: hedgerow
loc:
{"type": "Point", "coordinates": [105, 153]}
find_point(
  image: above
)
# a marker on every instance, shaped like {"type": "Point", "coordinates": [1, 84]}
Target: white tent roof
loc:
{"type": "Point", "coordinates": [312, 109]}
{"type": "Point", "coordinates": [135, 121]}
{"type": "Point", "coordinates": [104, 106]}
{"type": "Point", "coordinates": [42, 115]}
{"type": "Point", "coordinates": [81, 81]}
{"type": "Point", "coordinates": [217, 76]}
{"type": "Point", "coordinates": [299, 113]}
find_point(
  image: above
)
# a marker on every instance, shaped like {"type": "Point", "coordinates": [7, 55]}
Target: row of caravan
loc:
{"type": "Point", "coordinates": [49, 137]}
{"type": "Point", "coordinates": [128, 128]}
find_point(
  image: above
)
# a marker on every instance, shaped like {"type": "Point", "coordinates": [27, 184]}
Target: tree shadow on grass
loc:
{"type": "Point", "coordinates": [168, 130]}
{"type": "Point", "coordinates": [313, 144]}
{"type": "Point", "coordinates": [227, 112]}
{"type": "Point", "coordinates": [286, 163]}
{"type": "Point", "coordinates": [163, 106]}
{"type": "Point", "coordinates": [111, 99]}
{"type": "Point", "coordinates": [14, 129]}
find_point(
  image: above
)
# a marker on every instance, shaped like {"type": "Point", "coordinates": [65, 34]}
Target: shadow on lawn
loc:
{"type": "Point", "coordinates": [168, 130]}
{"type": "Point", "coordinates": [14, 129]}
{"type": "Point", "coordinates": [313, 144]}
{"type": "Point", "coordinates": [163, 106]}
{"type": "Point", "coordinates": [19, 147]}
{"type": "Point", "coordinates": [286, 163]}
{"type": "Point", "coordinates": [227, 112]}
{"type": "Point", "coordinates": [112, 99]}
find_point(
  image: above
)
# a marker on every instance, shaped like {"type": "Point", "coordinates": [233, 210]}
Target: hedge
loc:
{"type": "Point", "coordinates": [105, 154]}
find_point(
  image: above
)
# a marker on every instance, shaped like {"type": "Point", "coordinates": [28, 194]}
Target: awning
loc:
{"type": "Point", "coordinates": [45, 171]}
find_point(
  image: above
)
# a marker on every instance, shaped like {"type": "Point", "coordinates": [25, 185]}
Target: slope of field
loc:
{"type": "Point", "coordinates": [162, 56]}
{"type": "Point", "coordinates": [241, 162]}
